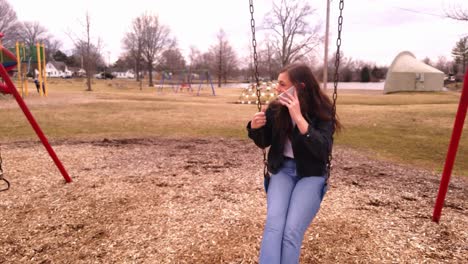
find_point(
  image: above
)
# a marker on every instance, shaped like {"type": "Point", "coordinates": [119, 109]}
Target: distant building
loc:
{"type": "Point", "coordinates": [57, 69]}
{"type": "Point", "coordinates": [124, 75]}
{"type": "Point", "coordinates": [408, 74]}
{"type": "Point", "coordinates": [78, 72]}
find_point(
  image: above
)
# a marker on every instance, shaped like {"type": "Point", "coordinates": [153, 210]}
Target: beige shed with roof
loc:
{"type": "Point", "coordinates": [409, 74]}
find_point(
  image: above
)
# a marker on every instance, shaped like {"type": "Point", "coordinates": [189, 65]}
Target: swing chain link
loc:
{"type": "Point", "coordinates": [336, 78]}
{"type": "Point", "coordinates": [255, 56]}
{"type": "Point", "coordinates": [256, 76]}
{"type": "Point", "coordinates": [1, 175]}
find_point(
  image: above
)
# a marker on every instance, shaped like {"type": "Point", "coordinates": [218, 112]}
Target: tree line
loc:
{"type": "Point", "coordinates": [287, 31]}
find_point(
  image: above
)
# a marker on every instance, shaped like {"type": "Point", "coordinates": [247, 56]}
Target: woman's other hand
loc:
{"type": "Point", "coordinates": [258, 120]}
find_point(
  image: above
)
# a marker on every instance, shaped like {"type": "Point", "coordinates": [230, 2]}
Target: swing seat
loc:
{"type": "Point", "coordinates": [266, 182]}
{"type": "Point", "coordinates": [5, 185]}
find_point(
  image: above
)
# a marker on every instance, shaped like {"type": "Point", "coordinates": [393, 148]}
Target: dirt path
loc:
{"type": "Point", "coordinates": [202, 201]}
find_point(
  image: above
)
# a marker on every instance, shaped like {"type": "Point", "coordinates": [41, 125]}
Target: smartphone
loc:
{"type": "Point", "coordinates": [290, 91]}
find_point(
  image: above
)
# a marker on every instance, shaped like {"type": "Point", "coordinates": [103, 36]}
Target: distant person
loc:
{"type": "Point", "coordinates": [36, 82]}
{"type": "Point", "coordinates": [298, 128]}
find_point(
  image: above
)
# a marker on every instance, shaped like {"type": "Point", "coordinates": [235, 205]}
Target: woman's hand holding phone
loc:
{"type": "Point", "coordinates": [291, 101]}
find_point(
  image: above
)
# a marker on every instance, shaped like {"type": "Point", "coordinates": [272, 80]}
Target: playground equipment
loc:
{"type": "Point", "coordinates": [34, 55]}
{"type": "Point", "coordinates": [22, 70]}
{"type": "Point", "coordinates": [456, 133]}
{"type": "Point", "coordinates": [1, 176]}
{"type": "Point", "coordinates": [452, 151]}
{"type": "Point", "coordinates": [184, 79]}
{"type": "Point", "coordinates": [7, 59]}
{"type": "Point", "coordinates": [22, 62]}
{"type": "Point", "coordinates": [249, 95]}
{"type": "Point", "coordinates": [9, 88]}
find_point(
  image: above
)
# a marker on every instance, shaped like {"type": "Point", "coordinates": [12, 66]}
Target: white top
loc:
{"type": "Point", "coordinates": [288, 151]}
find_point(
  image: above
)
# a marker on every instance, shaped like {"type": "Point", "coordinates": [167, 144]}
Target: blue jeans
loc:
{"type": "Point", "coordinates": [292, 203]}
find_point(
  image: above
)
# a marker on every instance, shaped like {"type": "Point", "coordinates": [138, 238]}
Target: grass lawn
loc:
{"type": "Point", "coordinates": [409, 128]}
{"type": "Point", "coordinates": [412, 128]}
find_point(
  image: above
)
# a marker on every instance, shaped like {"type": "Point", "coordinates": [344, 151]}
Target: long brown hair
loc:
{"type": "Point", "coordinates": [313, 101]}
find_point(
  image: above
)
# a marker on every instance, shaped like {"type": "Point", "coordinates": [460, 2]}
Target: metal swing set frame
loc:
{"type": "Point", "coordinates": [456, 132]}
{"type": "Point", "coordinates": [8, 87]}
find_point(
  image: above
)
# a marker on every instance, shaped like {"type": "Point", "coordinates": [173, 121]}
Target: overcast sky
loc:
{"type": "Point", "coordinates": [373, 30]}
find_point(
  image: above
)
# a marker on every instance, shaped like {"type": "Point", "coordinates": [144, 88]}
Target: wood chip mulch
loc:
{"type": "Point", "coordinates": [175, 200]}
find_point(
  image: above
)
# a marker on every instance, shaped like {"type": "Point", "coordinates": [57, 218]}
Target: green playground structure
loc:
{"type": "Point", "coordinates": [29, 59]}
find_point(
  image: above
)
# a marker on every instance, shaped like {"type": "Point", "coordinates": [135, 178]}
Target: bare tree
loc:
{"type": "Point", "coordinates": [195, 59]}
{"type": "Point", "coordinates": [9, 24]}
{"type": "Point", "coordinates": [95, 59]}
{"type": "Point", "coordinates": [133, 44]}
{"type": "Point", "coordinates": [51, 46]}
{"type": "Point", "coordinates": [32, 33]}
{"type": "Point", "coordinates": [231, 63]}
{"type": "Point", "coordinates": [88, 52]}
{"type": "Point", "coordinates": [268, 61]}
{"type": "Point", "coordinates": [444, 65]}
{"type": "Point", "coordinates": [172, 60]}
{"type": "Point", "coordinates": [225, 59]}
{"type": "Point", "coordinates": [294, 37]}
{"type": "Point", "coordinates": [193, 55]}
{"type": "Point", "coordinates": [201, 61]}
{"type": "Point", "coordinates": [155, 40]}
{"type": "Point", "coordinates": [349, 68]}
{"type": "Point", "coordinates": [124, 62]}
{"type": "Point", "coordinates": [457, 13]}
{"type": "Point", "coordinates": [460, 53]}
{"type": "Point", "coordinates": [271, 62]}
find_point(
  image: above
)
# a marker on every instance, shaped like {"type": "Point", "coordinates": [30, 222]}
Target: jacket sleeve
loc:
{"type": "Point", "coordinates": [262, 136]}
{"type": "Point", "coordinates": [318, 139]}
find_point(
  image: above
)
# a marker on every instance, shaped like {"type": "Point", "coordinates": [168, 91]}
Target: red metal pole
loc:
{"type": "Point", "coordinates": [4, 88]}
{"type": "Point", "coordinates": [12, 90]}
{"type": "Point", "coordinates": [452, 150]}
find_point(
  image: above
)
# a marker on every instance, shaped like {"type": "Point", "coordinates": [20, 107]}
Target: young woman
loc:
{"type": "Point", "coordinates": [298, 128]}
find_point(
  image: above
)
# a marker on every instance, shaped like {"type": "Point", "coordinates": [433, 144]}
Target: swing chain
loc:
{"type": "Point", "coordinates": [336, 78]}
{"type": "Point", "coordinates": [1, 175]}
{"type": "Point", "coordinates": [255, 56]}
{"type": "Point", "coordinates": [256, 75]}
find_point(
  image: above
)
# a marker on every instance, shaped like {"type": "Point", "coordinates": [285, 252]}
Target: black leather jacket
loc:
{"type": "Point", "coordinates": [310, 150]}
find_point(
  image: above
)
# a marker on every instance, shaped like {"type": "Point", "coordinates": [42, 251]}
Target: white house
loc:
{"type": "Point", "coordinates": [78, 72]}
{"type": "Point", "coordinates": [124, 75]}
{"type": "Point", "coordinates": [57, 69]}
